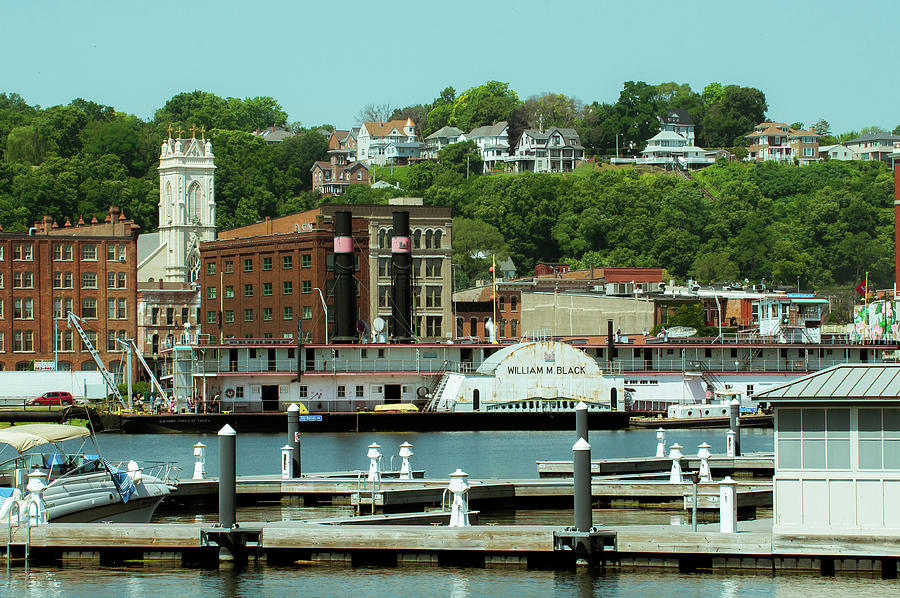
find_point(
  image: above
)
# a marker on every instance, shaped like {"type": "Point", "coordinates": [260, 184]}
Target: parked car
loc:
{"type": "Point", "coordinates": [52, 398]}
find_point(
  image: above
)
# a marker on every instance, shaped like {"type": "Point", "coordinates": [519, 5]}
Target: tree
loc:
{"type": "Point", "coordinates": [374, 113]}
{"type": "Point", "coordinates": [896, 130]}
{"type": "Point", "coordinates": [474, 242]}
{"type": "Point", "coordinates": [712, 94]}
{"type": "Point", "coordinates": [797, 126]}
{"type": "Point", "coordinates": [823, 127]}
{"type": "Point", "coordinates": [516, 125]}
{"type": "Point", "coordinates": [734, 115]}
{"type": "Point", "coordinates": [871, 130]}
{"type": "Point", "coordinates": [552, 110]}
{"type": "Point", "coordinates": [483, 105]}
{"type": "Point", "coordinates": [25, 145]}
{"type": "Point", "coordinates": [295, 156]}
{"type": "Point", "coordinates": [715, 267]}
{"type": "Point", "coordinates": [463, 157]}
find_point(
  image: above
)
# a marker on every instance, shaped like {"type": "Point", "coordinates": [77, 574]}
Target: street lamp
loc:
{"type": "Point", "coordinates": [719, 313]}
{"type": "Point", "coordinates": [325, 309]}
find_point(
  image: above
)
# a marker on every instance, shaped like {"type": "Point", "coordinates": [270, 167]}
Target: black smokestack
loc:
{"type": "Point", "coordinates": [344, 285]}
{"type": "Point", "coordinates": [609, 340]}
{"type": "Point", "coordinates": [401, 282]}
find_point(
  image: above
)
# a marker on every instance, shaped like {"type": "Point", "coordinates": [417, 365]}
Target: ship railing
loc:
{"type": "Point", "coordinates": [810, 364]}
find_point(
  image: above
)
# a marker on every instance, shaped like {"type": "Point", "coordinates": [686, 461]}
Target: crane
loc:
{"type": "Point", "coordinates": [75, 322]}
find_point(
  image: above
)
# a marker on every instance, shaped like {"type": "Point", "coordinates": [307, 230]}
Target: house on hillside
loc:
{"type": "Point", "coordinates": [344, 143]}
{"type": "Point", "coordinates": [555, 150]}
{"type": "Point", "coordinates": [332, 177]}
{"type": "Point", "coordinates": [375, 137]}
{"type": "Point", "coordinates": [440, 139]}
{"type": "Point", "coordinates": [874, 146]}
{"type": "Point", "coordinates": [273, 134]}
{"type": "Point", "coordinates": [492, 141]}
{"type": "Point", "coordinates": [779, 142]}
{"type": "Point", "coordinates": [836, 152]}
{"type": "Point", "coordinates": [678, 121]}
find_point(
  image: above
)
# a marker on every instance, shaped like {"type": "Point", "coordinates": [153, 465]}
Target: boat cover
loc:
{"type": "Point", "coordinates": [29, 436]}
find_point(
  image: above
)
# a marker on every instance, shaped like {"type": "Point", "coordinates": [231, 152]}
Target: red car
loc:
{"type": "Point", "coordinates": [52, 398]}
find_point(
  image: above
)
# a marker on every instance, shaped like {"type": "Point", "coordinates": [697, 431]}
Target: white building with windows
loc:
{"type": "Point", "coordinates": [374, 139]}
{"type": "Point", "coordinates": [837, 453]}
{"type": "Point", "coordinates": [492, 141]}
{"type": "Point", "coordinates": [187, 213]}
{"type": "Point", "coordinates": [555, 150]}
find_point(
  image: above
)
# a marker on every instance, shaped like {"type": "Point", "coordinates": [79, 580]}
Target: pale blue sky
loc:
{"type": "Point", "coordinates": [324, 60]}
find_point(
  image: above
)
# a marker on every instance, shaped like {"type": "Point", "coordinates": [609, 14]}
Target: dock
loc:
{"type": "Point", "coordinates": [753, 549]}
{"type": "Point", "coordinates": [761, 420]}
{"type": "Point", "coordinates": [754, 465]}
{"type": "Point", "coordinates": [394, 496]}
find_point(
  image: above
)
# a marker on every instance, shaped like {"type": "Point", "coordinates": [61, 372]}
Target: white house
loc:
{"type": "Point", "coordinates": [492, 141]}
{"type": "Point", "coordinates": [836, 152]}
{"type": "Point", "coordinates": [555, 150]}
{"type": "Point", "coordinates": [440, 139]}
{"type": "Point", "coordinates": [668, 148]}
{"type": "Point", "coordinates": [374, 137]}
{"type": "Point", "coordinates": [874, 146]}
{"type": "Point", "coordinates": [676, 120]}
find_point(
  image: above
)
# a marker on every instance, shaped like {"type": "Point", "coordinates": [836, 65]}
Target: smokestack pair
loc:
{"type": "Point", "coordinates": [344, 285]}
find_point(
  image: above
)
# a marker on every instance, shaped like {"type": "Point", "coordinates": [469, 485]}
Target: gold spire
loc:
{"type": "Point", "coordinates": [169, 129]}
{"type": "Point", "coordinates": [193, 131]}
{"type": "Point", "coordinates": [178, 132]}
{"type": "Point", "coordinates": [203, 132]}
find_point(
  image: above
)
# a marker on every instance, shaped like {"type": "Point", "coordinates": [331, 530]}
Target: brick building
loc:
{"type": "Point", "coordinates": [89, 269]}
{"type": "Point", "coordinates": [163, 310]}
{"type": "Point", "coordinates": [307, 238]}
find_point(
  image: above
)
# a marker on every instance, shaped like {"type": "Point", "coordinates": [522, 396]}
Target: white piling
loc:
{"type": "Point", "coordinates": [405, 454]}
{"type": "Point", "coordinates": [374, 456]}
{"type": "Point", "coordinates": [661, 442]}
{"type": "Point", "coordinates": [35, 508]}
{"type": "Point", "coordinates": [287, 462]}
{"type": "Point", "coordinates": [734, 422]}
{"type": "Point", "coordinates": [675, 455]}
{"type": "Point", "coordinates": [703, 454]}
{"type": "Point", "coordinates": [728, 506]}
{"type": "Point", "coordinates": [459, 508]}
{"type": "Point", "coordinates": [200, 463]}
{"type": "Point", "coordinates": [730, 445]}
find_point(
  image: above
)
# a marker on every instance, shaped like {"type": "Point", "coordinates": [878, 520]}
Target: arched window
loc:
{"type": "Point", "coordinates": [513, 303]}
{"type": "Point", "coordinates": [473, 326]}
{"type": "Point", "coordinates": [167, 202]}
{"type": "Point", "coordinates": [437, 239]}
{"type": "Point", "coordinates": [501, 302]}
{"type": "Point", "coordinates": [193, 207]}
{"type": "Point", "coordinates": [417, 238]}
{"type": "Point", "coordinates": [64, 366]}
{"type": "Point", "coordinates": [155, 344]}
{"type": "Point", "coordinates": [390, 237]}
{"type": "Point", "coordinates": [428, 237]}
{"type": "Point", "coordinates": [382, 234]}
{"type": "Point", "coordinates": [459, 328]}
{"type": "Point", "coordinates": [89, 365]}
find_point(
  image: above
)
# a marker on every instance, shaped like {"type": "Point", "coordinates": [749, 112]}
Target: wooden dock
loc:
{"type": "Point", "coordinates": [754, 465]}
{"type": "Point", "coordinates": [754, 548]}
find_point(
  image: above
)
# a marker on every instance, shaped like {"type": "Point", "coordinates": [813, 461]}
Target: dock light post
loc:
{"type": "Point", "coordinates": [695, 479]}
{"type": "Point", "coordinates": [728, 506]}
{"type": "Point", "coordinates": [661, 442]}
{"type": "Point", "coordinates": [734, 423]}
{"type": "Point", "coordinates": [729, 443]}
{"type": "Point", "coordinates": [581, 459]}
{"type": "Point", "coordinates": [324, 309]}
{"type": "Point", "coordinates": [227, 476]}
{"type": "Point", "coordinates": [293, 413]}
{"type": "Point", "coordinates": [286, 462]}
{"type": "Point", "coordinates": [703, 454]}
{"type": "Point", "coordinates": [374, 456]}
{"type": "Point", "coordinates": [405, 454]}
{"type": "Point", "coordinates": [459, 510]}
{"type": "Point", "coordinates": [200, 463]}
{"type": "Point", "coordinates": [581, 421]}
{"type": "Point", "coordinates": [675, 473]}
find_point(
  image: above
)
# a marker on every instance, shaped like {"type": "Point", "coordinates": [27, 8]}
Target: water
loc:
{"type": "Point", "coordinates": [378, 582]}
{"type": "Point", "coordinates": [483, 455]}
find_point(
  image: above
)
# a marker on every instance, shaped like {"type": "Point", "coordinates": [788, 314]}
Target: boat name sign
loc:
{"type": "Point", "coordinates": [549, 370]}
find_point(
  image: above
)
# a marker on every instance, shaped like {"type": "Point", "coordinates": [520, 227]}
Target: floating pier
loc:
{"type": "Point", "coordinates": [754, 465]}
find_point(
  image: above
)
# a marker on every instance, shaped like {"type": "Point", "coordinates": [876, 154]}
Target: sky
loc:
{"type": "Point", "coordinates": [324, 61]}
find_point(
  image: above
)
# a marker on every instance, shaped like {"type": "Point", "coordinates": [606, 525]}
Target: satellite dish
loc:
{"type": "Point", "coordinates": [378, 325]}
{"type": "Point", "coordinates": [681, 331]}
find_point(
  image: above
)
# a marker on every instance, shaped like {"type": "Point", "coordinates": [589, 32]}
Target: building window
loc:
{"type": "Point", "coordinates": [23, 252]}
{"type": "Point", "coordinates": [121, 312]}
{"type": "Point", "coordinates": [88, 253]}
{"type": "Point", "coordinates": [88, 280]}
{"type": "Point", "coordinates": [287, 287]}
{"type": "Point", "coordinates": [879, 438]}
{"type": "Point", "coordinates": [23, 341]}
{"type": "Point", "coordinates": [307, 312]}
{"type": "Point", "coordinates": [267, 314]}
{"type": "Point", "coordinates": [211, 317]}
{"type": "Point", "coordinates": [817, 439]}
{"type": "Point", "coordinates": [248, 290]}
{"type": "Point", "coordinates": [239, 392]}
{"type": "Point", "coordinates": [303, 392]}
{"type": "Point", "coordinates": [229, 315]}
{"type": "Point", "coordinates": [267, 289]}
{"type": "Point", "coordinates": [210, 267]}
{"type": "Point", "coordinates": [384, 266]}
{"type": "Point", "coordinates": [248, 315]}
{"type": "Point", "coordinates": [287, 262]}
{"type": "Point", "coordinates": [359, 391]}
{"type": "Point", "coordinates": [154, 318]}
{"type": "Point", "coordinates": [228, 267]}
{"type": "Point", "coordinates": [341, 391]}
{"type": "Point", "coordinates": [513, 326]}
{"type": "Point", "coordinates": [267, 263]}
{"type": "Point", "coordinates": [23, 308]}
{"type": "Point", "coordinates": [248, 265]}
{"type": "Point", "coordinates": [62, 252]}
{"type": "Point", "coordinates": [432, 296]}
{"type": "Point", "coordinates": [306, 260]}
{"type": "Point", "coordinates": [89, 308]}
{"type": "Point", "coordinates": [433, 326]}
{"type": "Point", "coordinates": [121, 278]}
{"type": "Point", "coordinates": [306, 286]}
{"type": "Point", "coordinates": [23, 280]}
{"type": "Point", "coordinates": [384, 295]}
{"type": "Point", "coordinates": [229, 291]}
{"type": "Point", "coordinates": [287, 312]}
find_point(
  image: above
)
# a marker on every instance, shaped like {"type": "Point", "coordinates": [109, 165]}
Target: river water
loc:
{"type": "Point", "coordinates": [483, 455]}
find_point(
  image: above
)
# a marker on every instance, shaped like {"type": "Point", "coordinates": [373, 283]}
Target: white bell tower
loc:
{"type": "Point", "coordinates": [187, 203]}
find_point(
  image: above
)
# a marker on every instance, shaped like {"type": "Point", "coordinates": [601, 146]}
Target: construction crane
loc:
{"type": "Point", "coordinates": [74, 322]}
{"type": "Point", "coordinates": [130, 346]}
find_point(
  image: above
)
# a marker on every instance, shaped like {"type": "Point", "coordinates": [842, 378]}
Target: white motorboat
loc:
{"type": "Point", "coordinates": [75, 487]}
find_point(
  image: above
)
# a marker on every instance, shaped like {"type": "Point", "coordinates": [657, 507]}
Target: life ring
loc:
{"type": "Point", "coordinates": [229, 393]}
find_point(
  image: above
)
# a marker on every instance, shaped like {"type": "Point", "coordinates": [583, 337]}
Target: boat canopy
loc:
{"type": "Point", "coordinates": [29, 436]}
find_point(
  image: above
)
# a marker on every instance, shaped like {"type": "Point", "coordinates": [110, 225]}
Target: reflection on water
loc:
{"type": "Point", "coordinates": [377, 582]}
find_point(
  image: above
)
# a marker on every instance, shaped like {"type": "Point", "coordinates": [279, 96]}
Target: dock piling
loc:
{"type": "Point", "coordinates": [728, 506]}
{"type": "Point", "coordinates": [703, 454]}
{"type": "Point", "coordinates": [734, 423]}
{"type": "Point", "coordinates": [581, 454]}
{"type": "Point", "coordinates": [293, 413]}
{"type": "Point", "coordinates": [459, 508]}
{"type": "Point", "coordinates": [581, 421]}
{"type": "Point", "coordinates": [227, 476]}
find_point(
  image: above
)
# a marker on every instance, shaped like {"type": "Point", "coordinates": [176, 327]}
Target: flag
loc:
{"type": "Point", "coordinates": [861, 289]}
{"type": "Point", "coordinates": [121, 481]}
